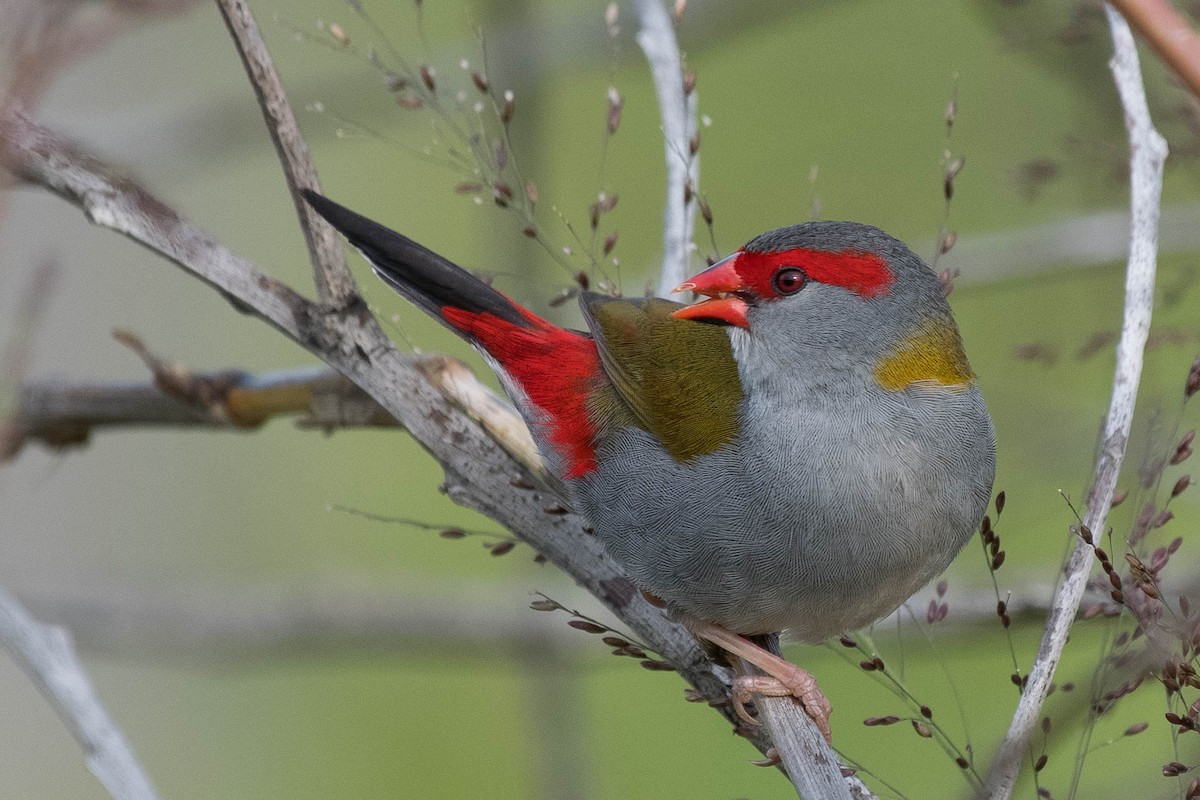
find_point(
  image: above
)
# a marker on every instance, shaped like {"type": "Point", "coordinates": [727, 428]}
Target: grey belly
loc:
{"type": "Point", "coordinates": [817, 545]}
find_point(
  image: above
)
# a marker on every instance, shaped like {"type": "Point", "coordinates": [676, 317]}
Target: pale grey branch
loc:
{"type": "Point", "coordinates": [335, 284]}
{"type": "Point", "coordinates": [1148, 151]}
{"type": "Point", "coordinates": [46, 655]}
{"type": "Point", "coordinates": [656, 37]}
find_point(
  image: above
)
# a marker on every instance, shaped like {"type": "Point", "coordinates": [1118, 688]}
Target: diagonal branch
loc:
{"type": "Point", "coordinates": [46, 655]}
{"type": "Point", "coordinates": [1148, 151]}
{"type": "Point", "coordinates": [335, 285]}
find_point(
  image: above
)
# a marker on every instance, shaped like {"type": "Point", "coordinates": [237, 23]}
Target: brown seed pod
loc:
{"type": "Point", "coordinates": [587, 626]}
{"type": "Point", "coordinates": [872, 722]}
{"type": "Point", "coordinates": [952, 169]}
{"type": "Point", "coordinates": [503, 548]}
{"type": "Point", "coordinates": [610, 242]}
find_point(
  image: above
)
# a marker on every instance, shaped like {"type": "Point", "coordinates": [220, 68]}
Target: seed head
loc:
{"type": "Point", "coordinates": [503, 548]}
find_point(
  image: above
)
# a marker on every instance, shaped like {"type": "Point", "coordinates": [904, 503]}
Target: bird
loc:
{"type": "Point", "coordinates": [800, 450]}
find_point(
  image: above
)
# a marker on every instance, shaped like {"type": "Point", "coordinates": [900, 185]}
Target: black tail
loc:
{"type": "Point", "coordinates": [418, 273]}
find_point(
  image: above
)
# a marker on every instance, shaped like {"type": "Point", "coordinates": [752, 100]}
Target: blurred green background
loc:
{"type": "Point", "coordinates": [833, 105]}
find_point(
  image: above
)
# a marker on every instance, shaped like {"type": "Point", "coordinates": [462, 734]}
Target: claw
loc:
{"type": "Point", "coordinates": [741, 695]}
{"type": "Point", "coordinates": [771, 760]}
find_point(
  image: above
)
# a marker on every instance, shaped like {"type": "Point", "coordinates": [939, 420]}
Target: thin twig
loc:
{"type": "Point", "coordinates": [335, 285]}
{"type": "Point", "coordinates": [46, 655]}
{"type": "Point", "coordinates": [114, 201]}
{"type": "Point", "coordinates": [63, 414]}
{"type": "Point", "coordinates": [656, 37]}
{"type": "Point", "coordinates": [1148, 151]}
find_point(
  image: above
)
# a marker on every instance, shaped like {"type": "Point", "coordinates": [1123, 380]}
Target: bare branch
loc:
{"type": "Point", "coordinates": [46, 655]}
{"type": "Point", "coordinates": [336, 288]}
{"type": "Point", "coordinates": [1148, 151]}
{"type": "Point", "coordinates": [807, 758]}
{"type": "Point", "coordinates": [112, 200]}
{"type": "Point", "coordinates": [60, 413]}
{"type": "Point", "coordinates": [656, 37]}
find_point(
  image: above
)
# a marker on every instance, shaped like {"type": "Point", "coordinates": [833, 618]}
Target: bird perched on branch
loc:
{"type": "Point", "coordinates": [801, 450]}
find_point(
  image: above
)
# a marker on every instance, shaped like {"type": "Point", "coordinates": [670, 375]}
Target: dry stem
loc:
{"type": "Point", "coordinates": [46, 655]}
{"type": "Point", "coordinates": [1148, 151]}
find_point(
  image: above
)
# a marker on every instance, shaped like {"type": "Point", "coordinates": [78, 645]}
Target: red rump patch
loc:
{"type": "Point", "coordinates": [557, 370]}
{"type": "Point", "coordinates": [859, 271]}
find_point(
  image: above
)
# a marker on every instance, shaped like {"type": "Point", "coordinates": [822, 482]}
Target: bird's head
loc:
{"type": "Point", "coordinates": [849, 292]}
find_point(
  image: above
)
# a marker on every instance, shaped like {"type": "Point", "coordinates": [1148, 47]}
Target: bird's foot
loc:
{"type": "Point", "coordinates": [783, 679]}
{"type": "Point", "coordinates": [799, 684]}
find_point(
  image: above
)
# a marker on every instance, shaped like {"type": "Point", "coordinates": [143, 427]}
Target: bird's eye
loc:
{"type": "Point", "coordinates": [790, 280]}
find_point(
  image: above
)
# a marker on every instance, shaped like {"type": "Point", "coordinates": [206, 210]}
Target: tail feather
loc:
{"type": "Point", "coordinates": [419, 274]}
{"type": "Point", "coordinates": [550, 372]}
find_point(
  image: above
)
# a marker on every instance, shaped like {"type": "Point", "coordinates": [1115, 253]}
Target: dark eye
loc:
{"type": "Point", "coordinates": [790, 280]}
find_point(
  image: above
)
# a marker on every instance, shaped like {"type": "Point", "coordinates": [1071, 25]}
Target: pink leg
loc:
{"type": "Point", "coordinates": [783, 679]}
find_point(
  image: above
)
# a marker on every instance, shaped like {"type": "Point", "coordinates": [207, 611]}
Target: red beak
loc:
{"type": "Point", "coordinates": [721, 284]}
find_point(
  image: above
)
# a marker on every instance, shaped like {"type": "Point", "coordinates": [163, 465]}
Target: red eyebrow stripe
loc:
{"type": "Point", "coordinates": [861, 272]}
